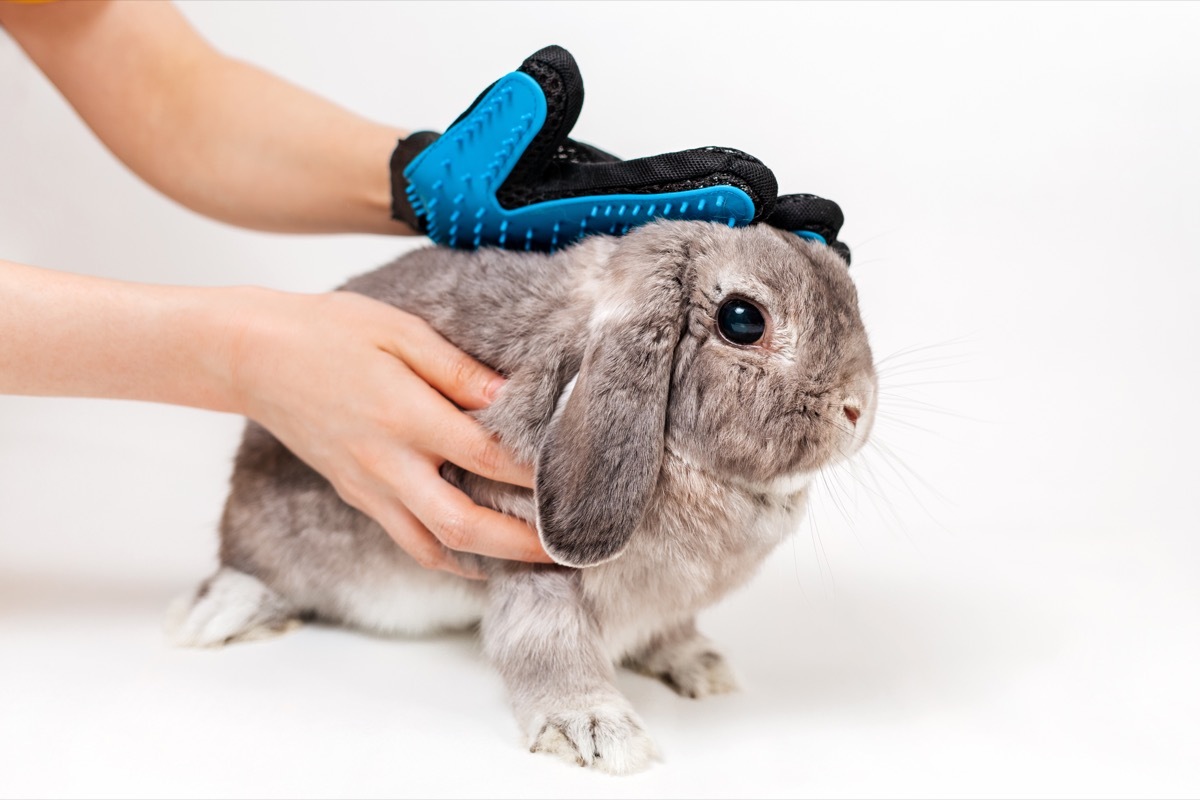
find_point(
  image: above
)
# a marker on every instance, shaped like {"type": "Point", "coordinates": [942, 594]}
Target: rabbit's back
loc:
{"type": "Point", "coordinates": [507, 309]}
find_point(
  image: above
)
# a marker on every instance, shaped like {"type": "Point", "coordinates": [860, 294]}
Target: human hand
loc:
{"type": "Point", "coordinates": [506, 174]}
{"type": "Point", "coordinates": [370, 397]}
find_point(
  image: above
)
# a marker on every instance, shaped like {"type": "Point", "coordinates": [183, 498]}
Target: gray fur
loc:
{"type": "Point", "coordinates": [664, 477]}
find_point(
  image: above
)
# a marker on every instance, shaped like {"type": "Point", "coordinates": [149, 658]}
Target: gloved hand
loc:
{"type": "Point", "coordinates": [810, 217]}
{"type": "Point", "coordinates": [506, 174]}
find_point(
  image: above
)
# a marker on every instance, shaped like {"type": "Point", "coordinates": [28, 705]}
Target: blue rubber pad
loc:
{"type": "Point", "coordinates": [453, 182]}
{"type": "Point", "coordinates": [816, 237]}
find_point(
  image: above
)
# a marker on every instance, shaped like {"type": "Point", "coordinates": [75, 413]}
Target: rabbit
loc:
{"type": "Point", "coordinates": [676, 388]}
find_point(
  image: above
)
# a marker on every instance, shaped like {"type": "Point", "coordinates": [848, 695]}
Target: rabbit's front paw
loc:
{"type": "Point", "coordinates": [690, 665]}
{"type": "Point", "coordinates": [704, 673]}
{"type": "Point", "coordinates": [606, 737]}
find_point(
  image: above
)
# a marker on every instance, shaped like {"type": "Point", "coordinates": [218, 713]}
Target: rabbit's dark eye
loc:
{"type": "Point", "coordinates": [740, 321]}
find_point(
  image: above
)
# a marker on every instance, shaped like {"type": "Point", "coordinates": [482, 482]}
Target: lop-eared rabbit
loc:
{"type": "Point", "coordinates": [676, 388]}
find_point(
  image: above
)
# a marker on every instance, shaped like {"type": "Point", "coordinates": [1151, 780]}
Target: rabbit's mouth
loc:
{"type": "Point", "coordinates": [822, 434]}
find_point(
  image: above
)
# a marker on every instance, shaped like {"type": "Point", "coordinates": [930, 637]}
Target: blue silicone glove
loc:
{"type": "Point", "coordinates": [506, 174]}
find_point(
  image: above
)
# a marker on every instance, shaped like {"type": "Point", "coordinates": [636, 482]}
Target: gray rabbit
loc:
{"type": "Point", "coordinates": [676, 388]}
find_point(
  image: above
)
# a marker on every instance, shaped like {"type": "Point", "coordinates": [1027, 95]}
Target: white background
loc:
{"type": "Point", "coordinates": [1000, 599]}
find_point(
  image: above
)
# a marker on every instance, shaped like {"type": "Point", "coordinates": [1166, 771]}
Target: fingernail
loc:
{"type": "Point", "coordinates": [494, 387]}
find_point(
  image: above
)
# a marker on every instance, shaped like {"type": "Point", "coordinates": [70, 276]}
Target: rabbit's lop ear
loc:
{"type": "Point", "coordinates": [602, 453]}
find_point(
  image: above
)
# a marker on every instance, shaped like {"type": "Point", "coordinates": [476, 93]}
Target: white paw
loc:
{"type": "Point", "coordinates": [702, 673]}
{"type": "Point", "coordinates": [230, 606]}
{"type": "Point", "coordinates": [606, 737]}
{"type": "Point", "coordinates": [692, 668]}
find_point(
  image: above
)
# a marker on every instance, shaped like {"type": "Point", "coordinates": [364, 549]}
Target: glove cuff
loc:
{"type": "Point", "coordinates": [406, 150]}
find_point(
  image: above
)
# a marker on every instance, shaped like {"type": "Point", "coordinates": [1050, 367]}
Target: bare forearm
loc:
{"type": "Point", "coordinates": [215, 134]}
{"type": "Point", "coordinates": [73, 335]}
{"type": "Point", "coordinates": [339, 378]}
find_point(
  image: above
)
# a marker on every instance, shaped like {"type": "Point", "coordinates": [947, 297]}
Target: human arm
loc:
{"type": "Point", "coordinates": [284, 360]}
{"type": "Point", "coordinates": [215, 134]}
{"type": "Point", "coordinates": [362, 392]}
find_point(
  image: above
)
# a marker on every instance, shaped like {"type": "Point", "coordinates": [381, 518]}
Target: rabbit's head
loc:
{"type": "Point", "coordinates": [739, 350]}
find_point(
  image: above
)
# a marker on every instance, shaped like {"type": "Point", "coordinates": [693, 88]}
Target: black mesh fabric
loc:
{"type": "Point", "coordinates": [808, 212]}
{"type": "Point", "coordinates": [671, 172]}
{"type": "Point", "coordinates": [554, 167]}
{"type": "Point", "coordinates": [574, 152]}
{"type": "Point", "coordinates": [557, 73]}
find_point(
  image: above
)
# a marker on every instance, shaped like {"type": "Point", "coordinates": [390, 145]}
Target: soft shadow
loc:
{"type": "Point", "coordinates": [890, 650]}
{"type": "Point", "coordinates": [42, 593]}
{"type": "Point", "coordinates": [33, 593]}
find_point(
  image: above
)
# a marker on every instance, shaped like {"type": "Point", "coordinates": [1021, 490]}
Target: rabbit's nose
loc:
{"type": "Point", "coordinates": [852, 412]}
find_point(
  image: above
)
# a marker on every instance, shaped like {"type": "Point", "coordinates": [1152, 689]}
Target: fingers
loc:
{"type": "Point", "coordinates": [714, 184]}
{"type": "Point", "coordinates": [463, 380]}
{"type": "Point", "coordinates": [559, 78]}
{"type": "Point", "coordinates": [430, 519]}
{"type": "Point", "coordinates": [415, 538]}
{"type": "Point", "coordinates": [452, 436]}
{"type": "Point", "coordinates": [459, 524]}
{"type": "Point", "coordinates": [444, 430]}
{"type": "Point", "coordinates": [561, 83]}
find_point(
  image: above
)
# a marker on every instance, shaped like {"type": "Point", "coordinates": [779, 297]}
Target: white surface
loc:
{"type": "Point", "coordinates": [1007, 605]}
